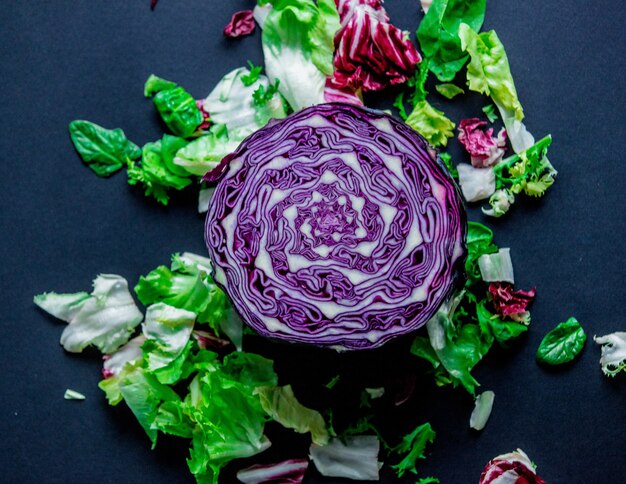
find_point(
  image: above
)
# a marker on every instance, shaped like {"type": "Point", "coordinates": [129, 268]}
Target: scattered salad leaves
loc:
{"type": "Point", "coordinates": [105, 151]}
{"type": "Point", "coordinates": [562, 344]}
{"type": "Point", "coordinates": [438, 34]}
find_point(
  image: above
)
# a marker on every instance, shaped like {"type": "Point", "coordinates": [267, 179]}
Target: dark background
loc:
{"type": "Point", "coordinates": [61, 225]}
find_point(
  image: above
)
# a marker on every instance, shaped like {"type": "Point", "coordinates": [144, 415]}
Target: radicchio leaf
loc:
{"type": "Point", "coordinates": [485, 149]}
{"type": "Point", "coordinates": [241, 23]}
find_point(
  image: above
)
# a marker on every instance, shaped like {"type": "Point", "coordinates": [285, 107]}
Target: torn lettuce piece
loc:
{"type": "Point", "coordinates": [73, 395]}
{"type": "Point", "coordinates": [413, 447]}
{"type": "Point", "coordinates": [529, 171]}
{"type": "Point", "coordinates": [204, 198]}
{"type": "Point", "coordinates": [177, 107]}
{"type": "Point", "coordinates": [185, 285]}
{"type": "Point", "coordinates": [482, 410]}
{"type": "Point", "coordinates": [205, 153]}
{"type": "Point", "coordinates": [476, 183]}
{"type": "Point", "coordinates": [129, 353]}
{"type": "Point", "coordinates": [448, 90]}
{"type": "Point", "coordinates": [105, 151]}
{"type": "Point", "coordinates": [281, 405]}
{"type": "Point", "coordinates": [228, 420]}
{"type": "Point", "coordinates": [485, 149]}
{"type": "Point", "coordinates": [479, 242]}
{"type": "Point", "coordinates": [231, 103]}
{"type": "Point", "coordinates": [157, 171]}
{"type": "Point", "coordinates": [490, 112]}
{"type": "Point", "coordinates": [168, 331]}
{"type": "Point", "coordinates": [613, 359]}
{"type": "Point", "coordinates": [355, 459]}
{"type": "Point", "coordinates": [497, 267]}
{"type": "Point", "coordinates": [105, 318]}
{"type": "Point", "coordinates": [562, 344]}
{"type": "Point", "coordinates": [287, 472]}
{"type": "Point", "coordinates": [514, 467]}
{"type": "Point", "coordinates": [489, 73]}
{"type": "Point", "coordinates": [431, 123]}
{"type": "Point", "coordinates": [438, 34]}
{"type": "Point", "coordinates": [298, 48]}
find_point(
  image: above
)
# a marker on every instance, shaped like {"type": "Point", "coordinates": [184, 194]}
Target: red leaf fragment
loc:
{"type": "Point", "coordinates": [241, 23]}
{"type": "Point", "coordinates": [485, 149]}
{"type": "Point", "coordinates": [206, 118]}
{"type": "Point", "coordinates": [153, 4]}
{"type": "Point", "coordinates": [513, 467]}
{"type": "Point", "coordinates": [507, 302]}
{"type": "Point", "coordinates": [370, 53]}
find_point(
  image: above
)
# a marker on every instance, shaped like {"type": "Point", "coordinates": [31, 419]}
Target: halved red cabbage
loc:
{"type": "Point", "coordinates": [337, 226]}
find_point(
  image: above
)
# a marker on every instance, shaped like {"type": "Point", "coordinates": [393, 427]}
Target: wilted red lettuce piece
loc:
{"type": "Point", "coordinates": [510, 303]}
{"type": "Point", "coordinates": [206, 118]}
{"type": "Point", "coordinates": [241, 23]}
{"type": "Point", "coordinates": [485, 149]}
{"type": "Point", "coordinates": [512, 468]}
{"type": "Point", "coordinates": [286, 472]}
{"type": "Point", "coordinates": [370, 52]}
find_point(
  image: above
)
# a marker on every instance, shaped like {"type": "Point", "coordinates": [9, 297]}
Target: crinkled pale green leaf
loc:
{"type": "Point", "coordinates": [105, 151]}
{"type": "Point", "coordinates": [167, 330]}
{"type": "Point", "coordinates": [281, 405]}
{"type": "Point", "coordinates": [431, 123]}
{"type": "Point", "coordinates": [355, 458]}
{"type": "Point", "coordinates": [489, 73]}
{"type": "Point", "coordinates": [231, 103]}
{"type": "Point", "coordinates": [176, 106]}
{"type": "Point", "coordinates": [228, 418]}
{"type": "Point", "coordinates": [154, 173]}
{"type": "Point", "coordinates": [562, 344]}
{"type": "Point", "coordinates": [188, 285]}
{"type": "Point", "coordinates": [298, 48]}
{"type": "Point", "coordinates": [203, 154]}
{"type": "Point", "coordinates": [413, 447]}
{"type": "Point", "coordinates": [105, 318]}
{"type": "Point", "coordinates": [449, 91]}
{"type": "Point", "coordinates": [438, 34]}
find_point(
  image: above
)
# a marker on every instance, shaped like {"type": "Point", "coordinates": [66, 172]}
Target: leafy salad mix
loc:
{"type": "Point", "coordinates": [181, 365]}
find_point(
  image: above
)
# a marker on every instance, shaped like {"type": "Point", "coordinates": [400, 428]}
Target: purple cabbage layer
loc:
{"type": "Point", "coordinates": [337, 226]}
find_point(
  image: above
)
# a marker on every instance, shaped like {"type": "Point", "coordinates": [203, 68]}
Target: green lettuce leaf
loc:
{"type": "Point", "coordinates": [298, 48]}
{"type": "Point", "coordinates": [489, 73]}
{"type": "Point", "coordinates": [105, 151]}
{"type": "Point", "coordinates": [479, 242]}
{"type": "Point", "coordinates": [177, 107]}
{"type": "Point", "coordinates": [449, 91]}
{"type": "Point", "coordinates": [281, 405]}
{"type": "Point", "coordinates": [414, 446]}
{"type": "Point", "coordinates": [167, 330]}
{"type": "Point", "coordinates": [105, 318]}
{"type": "Point", "coordinates": [188, 285]}
{"type": "Point", "coordinates": [502, 330]}
{"type": "Point", "coordinates": [203, 154]}
{"type": "Point", "coordinates": [562, 344]}
{"type": "Point", "coordinates": [154, 173]}
{"type": "Point", "coordinates": [438, 34]}
{"type": "Point", "coordinates": [431, 123]}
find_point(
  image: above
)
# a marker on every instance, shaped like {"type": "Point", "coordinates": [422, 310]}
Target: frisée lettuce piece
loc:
{"type": "Point", "coordinates": [613, 358]}
{"type": "Point", "coordinates": [413, 446]}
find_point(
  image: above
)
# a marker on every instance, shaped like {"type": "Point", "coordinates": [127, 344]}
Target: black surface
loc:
{"type": "Point", "coordinates": [60, 226]}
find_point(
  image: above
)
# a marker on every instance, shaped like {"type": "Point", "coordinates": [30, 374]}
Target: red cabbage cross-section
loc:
{"type": "Point", "coordinates": [336, 226]}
